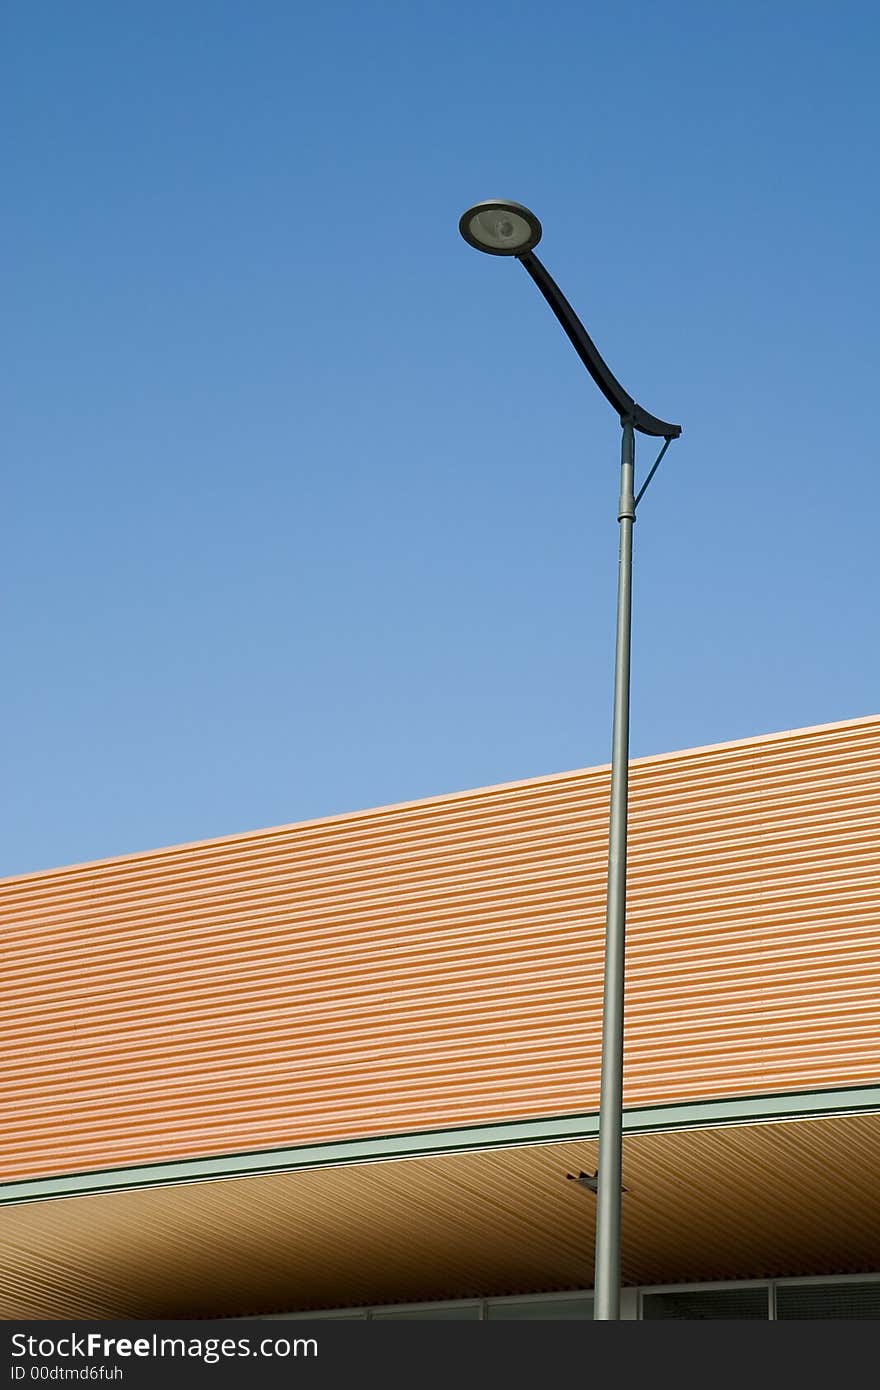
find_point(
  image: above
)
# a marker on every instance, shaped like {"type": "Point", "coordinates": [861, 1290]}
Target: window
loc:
{"type": "Point", "coordinates": [841, 1300]}
{"type": "Point", "coordinates": [854, 1296]}
{"type": "Point", "coordinates": [749, 1302]}
{"type": "Point", "coordinates": [470, 1312]}
{"type": "Point", "coordinates": [533, 1308]}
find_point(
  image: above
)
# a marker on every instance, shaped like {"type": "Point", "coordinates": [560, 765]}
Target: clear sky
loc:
{"type": "Point", "coordinates": [308, 507]}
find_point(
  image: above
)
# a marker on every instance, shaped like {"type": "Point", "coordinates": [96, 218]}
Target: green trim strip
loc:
{"type": "Point", "coordinates": [799, 1105]}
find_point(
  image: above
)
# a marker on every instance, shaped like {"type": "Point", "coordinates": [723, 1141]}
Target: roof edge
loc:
{"type": "Point", "coordinates": [762, 1108]}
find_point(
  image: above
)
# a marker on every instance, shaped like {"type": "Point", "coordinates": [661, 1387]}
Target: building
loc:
{"type": "Point", "coordinates": [353, 1064]}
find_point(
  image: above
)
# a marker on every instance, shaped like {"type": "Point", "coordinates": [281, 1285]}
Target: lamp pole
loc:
{"type": "Point", "coordinates": [503, 228]}
{"type": "Point", "coordinates": [606, 1293]}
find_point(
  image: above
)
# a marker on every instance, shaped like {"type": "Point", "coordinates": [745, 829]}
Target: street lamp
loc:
{"type": "Point", "coordinates": [503, 228]}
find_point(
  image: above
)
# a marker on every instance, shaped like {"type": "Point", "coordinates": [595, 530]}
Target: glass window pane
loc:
{"type": "Point", "coordinates": [557, 1308]}
{"type": "Point", "coordinates": [847, 1300]}
{"type": "Point", "coordinates": [470, 1313]}
{"type": "Point", "coordinates": [707, 1304]}
{"type": "Point", "coordinates": [321, 1315]}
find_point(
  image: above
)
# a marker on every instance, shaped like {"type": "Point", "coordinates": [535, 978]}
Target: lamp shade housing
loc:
{"type": "Point", "coordinates": [500, 228]}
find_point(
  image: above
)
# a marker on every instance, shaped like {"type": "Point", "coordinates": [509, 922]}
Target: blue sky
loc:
{"type": "Point", "coordinates": [308, 507]}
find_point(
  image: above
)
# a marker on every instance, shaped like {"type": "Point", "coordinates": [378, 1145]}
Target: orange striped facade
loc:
{"type": "Point", "coordinates": [439, 964]}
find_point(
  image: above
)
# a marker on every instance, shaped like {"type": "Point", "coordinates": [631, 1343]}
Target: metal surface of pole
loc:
{"type": "Point", "coordinates": [610, 1167]}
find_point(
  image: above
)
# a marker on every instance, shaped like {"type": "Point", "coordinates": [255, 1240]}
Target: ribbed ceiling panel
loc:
{"type": "Point", "coordinates": [439, 964]}
{"type": "Point", "coordinates": [748, 1201]}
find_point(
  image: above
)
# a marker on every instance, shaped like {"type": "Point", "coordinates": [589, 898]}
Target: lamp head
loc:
{"type": "Point", "coordinates": [500, 228]}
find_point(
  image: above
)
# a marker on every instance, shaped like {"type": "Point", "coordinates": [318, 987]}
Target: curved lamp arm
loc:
{"type": "Point", "coordinates": [587, 351]}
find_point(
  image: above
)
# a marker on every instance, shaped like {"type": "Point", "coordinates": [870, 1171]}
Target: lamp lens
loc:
{"type": "Point", "coordinates": [501, 230]}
